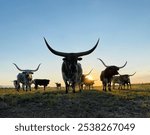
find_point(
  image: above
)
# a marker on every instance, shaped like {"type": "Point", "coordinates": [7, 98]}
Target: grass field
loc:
{"type": "Point", "coordinates": [94, 103]}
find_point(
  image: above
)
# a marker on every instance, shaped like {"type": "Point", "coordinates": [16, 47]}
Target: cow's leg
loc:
{"type": "Point", "coordinates": [26, 87]}
{"type": "Point", "coordinates": [109, 86]}
{"type": "Point", "coordinates": [113, 85]}
{"type": "Point", "coordinates": [67, 87]}
{"type": "Point", "coordinates": [18, 86]}
{"type": "Point", "coordinates": [30, 87]}
{"type": "Point", "coordinates": [73, 87]}
{"type": "Point", "coordinates": [104, 86]}
{"type": "Point", "coordinates": [44, 87]}
{"type": "Point", "coordinates": [120, 86]}
{"type": "Point", "coordinates": [36, 86]}
{"type": "Point", "coordinates": [23, 87]}
{"type": "Point", "coordinates": [125, 86]}
{"type": "Point", "coordinates": [80, 87]}
{"type": "Point", "coordinates": [130, 85]}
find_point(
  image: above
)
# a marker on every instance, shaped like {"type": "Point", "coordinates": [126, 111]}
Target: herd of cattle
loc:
{"type": "Point", "coordinates": [72, 73]}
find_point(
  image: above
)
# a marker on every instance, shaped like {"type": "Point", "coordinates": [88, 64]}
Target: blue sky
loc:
{"type": "Point", "coordinates": [72, 26]}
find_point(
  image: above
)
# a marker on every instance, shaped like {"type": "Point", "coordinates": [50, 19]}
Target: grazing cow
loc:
{"type": "Point", "coordinates": [41, 82]}
{"type": "Point", "coordinates": [58, 85]}
{"type": "Point", "coordinates": [25, 78]}
{"type": "Point", "coordinates": [122, 80]}
{"type": "Point", "coordinates": [107, 74]}
{"type": "Point", "coordinates": [71, 69]}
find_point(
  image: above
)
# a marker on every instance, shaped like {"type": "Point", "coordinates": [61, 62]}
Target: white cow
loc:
{"type": "Point", "coordinates": [25, 78]}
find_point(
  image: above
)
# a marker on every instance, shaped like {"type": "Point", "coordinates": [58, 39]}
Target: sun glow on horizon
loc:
{"type": "Point", "coordinates": [90, 77]}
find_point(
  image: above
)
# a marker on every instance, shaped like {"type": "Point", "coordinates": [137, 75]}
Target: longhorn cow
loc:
{"type": "Point", "coordinates": [122, 80]}
{"type": "Point", "coordinates": [84, 79]}
{"type": "Point", "coordinates": [71, 69]}
{"type": "Point", "coordinates": [89, 83]}
{"type": "Point", "coordinates": [108, 73]}
{"type": "Point", "coordinates": [25, 78]}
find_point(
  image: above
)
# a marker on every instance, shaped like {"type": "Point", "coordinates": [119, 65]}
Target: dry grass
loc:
{"type": "Point", "coordinates": [89, 103]}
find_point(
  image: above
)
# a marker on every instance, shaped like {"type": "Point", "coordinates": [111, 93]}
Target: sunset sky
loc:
{"type": "Point", "coordinates": [123, 27]}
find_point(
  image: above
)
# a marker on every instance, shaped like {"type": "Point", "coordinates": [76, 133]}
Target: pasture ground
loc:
{"type": "Point", "coordinates": [93, 103]}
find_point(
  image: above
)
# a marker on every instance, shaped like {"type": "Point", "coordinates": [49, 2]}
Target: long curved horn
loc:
{"type": "Point", "coordinates": [36, 69]}
{"type": "Point", "coordinates": [123, 65]}
{"type": "Point", "coordinates": [63, 54]}
{"type": "Point", "coordinates": [102, 62]}
{"type": "Point", "coordinates": [27, 69]}
{"type": "Point", "coordinates": [88, 73]}
{"type": "Point", "coordinates": [132, 74]}
{"type": "Point", "coordinates": [18, 67]}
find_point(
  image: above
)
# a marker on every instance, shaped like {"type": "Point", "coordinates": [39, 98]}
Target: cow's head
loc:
{"type": "Point", "coordinates": [112, 70]}
{"type": "Point", "coordinates": [71, 64]}
{"type": "Point", "coordinates": [28, 73]}
{"type": "Point", "coordinates": [70, 59]}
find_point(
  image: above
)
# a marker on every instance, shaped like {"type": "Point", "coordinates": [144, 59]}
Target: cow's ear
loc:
{"type": "Point", "coordinates": [64, 59]}
{"type": "Point", "coordinates": [79, 58]}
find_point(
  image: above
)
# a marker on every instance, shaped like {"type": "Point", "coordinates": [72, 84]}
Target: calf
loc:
{"type": "Point", "coordinates": [58, 85]}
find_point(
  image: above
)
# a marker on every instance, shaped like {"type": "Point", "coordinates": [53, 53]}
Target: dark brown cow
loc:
{"type": "Point", "coordinates": [108, 73]}
{"type": "Point", "coordinates": [41, 82]}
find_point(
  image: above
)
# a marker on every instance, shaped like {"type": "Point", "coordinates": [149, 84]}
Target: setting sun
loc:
{"type": "Point", "coordinates": [89, 77]}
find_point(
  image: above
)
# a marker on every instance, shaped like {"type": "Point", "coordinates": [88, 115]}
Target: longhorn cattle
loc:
{"type": "Point", "coordinates": [89, 83]}
{"type": "Point", "coordinates": [122, 80]}
{"type": "Point", "coordinates": [58, 85]}
{"type": "Point", "coordinates": [71, 69]}
{"type": "Point", "coordinates": [25, 78]}
{"type": "Point", "coordinates": [83, 79]}
{"type": "Point", "coordinates": [108, 73]}
{"type": "Point", "coordinates": [41, 82]}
